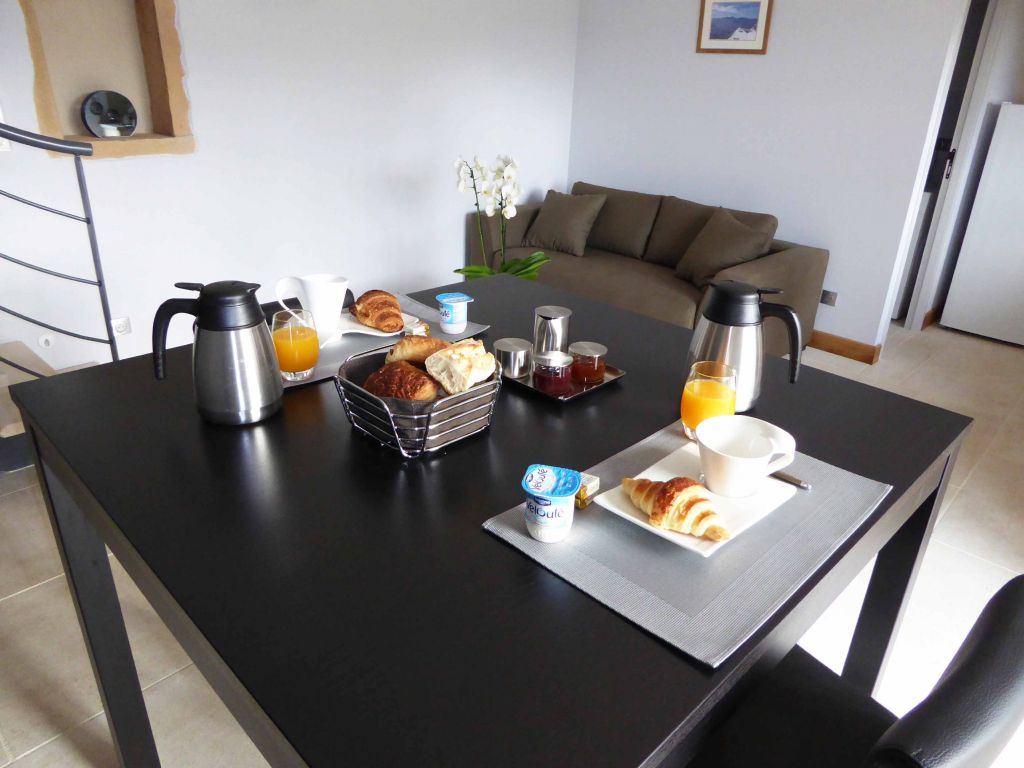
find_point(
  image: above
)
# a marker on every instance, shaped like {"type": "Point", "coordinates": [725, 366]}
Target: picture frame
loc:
{"type": "Point", "coordinates": [734, 27]}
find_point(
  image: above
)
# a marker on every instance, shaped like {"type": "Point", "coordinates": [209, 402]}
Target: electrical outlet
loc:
{"type": "Point", "coordinates": [829, 298]}
{"type": "Point", "coordinates": [122, 326]}
{"type": "Point", "coordinates": [5, 145]}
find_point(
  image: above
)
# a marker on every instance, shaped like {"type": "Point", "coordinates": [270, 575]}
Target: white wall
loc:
{"type": "Point", "coordinates": [826, 131]}
{"type": "Point", "coordinates": [325, 136]}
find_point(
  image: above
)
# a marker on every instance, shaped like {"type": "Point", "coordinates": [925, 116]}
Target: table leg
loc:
{"type": "Point", "coordinates": [99, 615]}
{"type": "Point", "coordinates": [892, 581]}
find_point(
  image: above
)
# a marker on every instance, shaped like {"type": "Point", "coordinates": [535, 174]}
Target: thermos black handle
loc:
{"type": "Point", "coordinates": [789, 317]}
{"type": "Point", "coordinates": [167, 310]}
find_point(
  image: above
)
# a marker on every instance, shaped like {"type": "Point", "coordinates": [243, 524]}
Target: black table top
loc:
{"type": "Point", "coordinates": [355, 594]}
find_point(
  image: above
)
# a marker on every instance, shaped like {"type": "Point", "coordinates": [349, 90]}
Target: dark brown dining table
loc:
{"type": "Point", "coordinates": [349, 609]}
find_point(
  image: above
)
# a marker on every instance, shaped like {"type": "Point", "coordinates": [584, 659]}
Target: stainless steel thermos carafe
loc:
{"type": "Point", "coordinates": [729, 329]}
{"type": "Point", "coordinates": [234, 367]}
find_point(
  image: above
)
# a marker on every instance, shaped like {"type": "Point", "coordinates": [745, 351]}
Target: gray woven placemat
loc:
{"type": "Point", "coordinates": [705, 607]}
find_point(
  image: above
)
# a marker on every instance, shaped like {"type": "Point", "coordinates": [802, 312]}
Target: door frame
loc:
{"type": "Point", "coordinates": [924, 163]}
{"type": "Point", "coordinates": [952, 190]}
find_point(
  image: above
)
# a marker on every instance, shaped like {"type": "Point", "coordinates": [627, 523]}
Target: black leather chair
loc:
{"type": "Point", "coordinates": [805, 716]}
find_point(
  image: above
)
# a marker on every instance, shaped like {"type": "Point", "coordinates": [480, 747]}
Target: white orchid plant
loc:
{"type": "Point", "coordinates": [499, 191]}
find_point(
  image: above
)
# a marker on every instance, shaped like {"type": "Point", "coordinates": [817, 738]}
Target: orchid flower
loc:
{"type": "Point", "coordinates": [496, 191]}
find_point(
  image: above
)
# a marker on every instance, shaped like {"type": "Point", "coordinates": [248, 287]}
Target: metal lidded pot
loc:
{"type": "Point", "coordinates": [551, 328]}
{"type": "Point", "coordinates": [515, 357]}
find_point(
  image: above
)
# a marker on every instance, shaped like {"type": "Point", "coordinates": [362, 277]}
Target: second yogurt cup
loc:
{"type": "Point", "coordinates": [550, 498]}
{"type": "Point", "coordinates": [453, 310]}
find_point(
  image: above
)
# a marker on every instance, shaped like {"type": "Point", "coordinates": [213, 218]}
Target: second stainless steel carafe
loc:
{"type": "Point", "coordinates": [234, 366]}
{"type": "Point", "coordinates": [729, 329]}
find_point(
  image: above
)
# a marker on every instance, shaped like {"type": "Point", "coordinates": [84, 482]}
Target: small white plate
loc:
{"type": "Point", "coordinates": [348, 324]}
{"type": "Point", "coordinates": [738, 514]}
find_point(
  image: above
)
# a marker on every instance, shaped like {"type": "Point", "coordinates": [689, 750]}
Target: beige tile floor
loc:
{"type": "Point", "coordinates": [50, 712]}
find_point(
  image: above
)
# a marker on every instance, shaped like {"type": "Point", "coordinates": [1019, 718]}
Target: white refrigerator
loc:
{"type": "Point", "coordinates": [987, 293]}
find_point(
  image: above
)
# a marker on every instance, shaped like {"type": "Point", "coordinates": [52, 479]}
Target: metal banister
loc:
{"type": "Point", "coordinates": [41, 207]}
{"type": "Point", "coordinates": [37, 140]}
{"type": "Point", "coordinates": [49, 327]}
{"type": "Point", "coordinates": [20, 367]}
{"type": "Point", "coordinates": [77, 150]}
{"type": "Point", "coordinates": [46, 271]}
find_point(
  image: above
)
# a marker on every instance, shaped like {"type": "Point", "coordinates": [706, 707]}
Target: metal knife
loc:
{"type": "Point", "coordinates": [788, 478]}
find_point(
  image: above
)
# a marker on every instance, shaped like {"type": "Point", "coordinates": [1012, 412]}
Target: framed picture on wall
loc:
{"type": "Point", "coordinates": [727, 27]}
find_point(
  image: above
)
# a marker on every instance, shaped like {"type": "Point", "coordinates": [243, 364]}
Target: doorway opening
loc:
{"type": "Point", "coordinates": [943, 154]}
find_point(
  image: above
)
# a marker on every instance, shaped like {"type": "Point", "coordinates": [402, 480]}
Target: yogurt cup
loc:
{"type": "Point", "coordinates": [453, 309]}
{"type": "Point", "coordinates": [550, 497]}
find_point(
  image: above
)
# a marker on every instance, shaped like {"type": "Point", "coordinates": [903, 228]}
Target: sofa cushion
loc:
{"type": "Point", "coordinates": [680, 221]}
{"type": "Point", "coordinates": [723, 242]}
{"type": "Point", "coordinates": [564, 222]}
{"type": "Point", "coordinates": [648, 289]}
{"type": "Point", "coordinates": [625, 221]}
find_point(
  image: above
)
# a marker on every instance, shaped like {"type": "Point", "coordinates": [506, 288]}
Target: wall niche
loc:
{"type": "Point", "coordinates": [129, 46]}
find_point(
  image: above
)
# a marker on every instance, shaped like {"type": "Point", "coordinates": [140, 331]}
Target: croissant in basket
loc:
{"type": "Point", "coordinates": [415, 349]}
{"type": "Point", "coordinates": [402, 380]}
{"type": "Point", "coordinates": [380, 310]}
{"type": "Point", "coordinates": [679, 504]}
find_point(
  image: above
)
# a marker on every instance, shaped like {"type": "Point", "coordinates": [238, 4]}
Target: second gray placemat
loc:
{"type": "Point", "coordinates": [706, 607]}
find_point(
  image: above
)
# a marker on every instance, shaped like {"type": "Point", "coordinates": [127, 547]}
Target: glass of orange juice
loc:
{"type": "Point", "coordinates": [296, 343]}
{"type": "Point", "coordinates": [710, 390]}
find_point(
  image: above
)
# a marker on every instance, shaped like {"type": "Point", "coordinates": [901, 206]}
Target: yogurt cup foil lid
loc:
{"type": "Point", "coordinates": [453, 298]}
{"type": "Point", "coordinates": [553, 482]}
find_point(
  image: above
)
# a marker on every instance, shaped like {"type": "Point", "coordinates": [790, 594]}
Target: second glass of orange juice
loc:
{"type": "Point", "coordinates": [296, 343]}
{"type": "Point", "coordinates": [710, 390]}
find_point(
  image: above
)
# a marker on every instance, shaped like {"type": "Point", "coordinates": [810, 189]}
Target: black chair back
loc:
{"type": "Point", "coordinates": [978, 702]}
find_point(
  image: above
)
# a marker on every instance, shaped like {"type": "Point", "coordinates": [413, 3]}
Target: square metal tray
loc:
{"type": "Point", "coordinates": [611, 373]}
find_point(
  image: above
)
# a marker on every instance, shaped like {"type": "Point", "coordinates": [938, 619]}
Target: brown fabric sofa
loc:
{"type": "Point", "coordinates": [634, 244]}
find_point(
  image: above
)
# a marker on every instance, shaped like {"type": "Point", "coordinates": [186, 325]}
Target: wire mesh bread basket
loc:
{"type": "Point", "coordinates": [409, 427]}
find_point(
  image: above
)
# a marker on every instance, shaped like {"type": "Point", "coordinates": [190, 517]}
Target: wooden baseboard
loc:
{"type": "Point", "coordinates": [931, 317]}
{"type": "Point", "coordinates": [840, 345]}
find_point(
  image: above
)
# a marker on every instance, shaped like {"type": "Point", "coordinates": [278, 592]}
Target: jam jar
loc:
{"type": "Point", "coordinates": [552, 372]}
{"type": "Point", "coordinates": [588, 361]}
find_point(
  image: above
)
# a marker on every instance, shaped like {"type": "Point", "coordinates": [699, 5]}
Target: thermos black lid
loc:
{"type": "Point", "coordinates": [731, 302]}
{"type": "Point", "coordinates": [226, 305]}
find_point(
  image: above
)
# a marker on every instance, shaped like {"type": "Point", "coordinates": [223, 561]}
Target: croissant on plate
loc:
{"type": "Point", "coordinates": [679, 504]}
{"type": "Point", "coordinates": [380, 310]}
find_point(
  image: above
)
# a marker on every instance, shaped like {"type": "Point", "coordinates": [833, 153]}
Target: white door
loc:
{"type": "Point", "coordinates": [987, 293]}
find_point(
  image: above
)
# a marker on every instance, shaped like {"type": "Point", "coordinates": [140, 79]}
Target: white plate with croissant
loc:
{"type": "Point", "coordinates": [375, 313]}
{"type": "Point", "coordinates": [348, 324]}
{"type": "Point", "coordinates": [667, 509]}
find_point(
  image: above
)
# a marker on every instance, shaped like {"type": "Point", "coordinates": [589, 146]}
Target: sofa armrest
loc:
{"type": "Point", "coordinates": [799, 271]}
{"type": "Point", "coordinates": [515, 231]}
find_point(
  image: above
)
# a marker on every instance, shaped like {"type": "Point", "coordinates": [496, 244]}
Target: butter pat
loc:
{"type": "Point", "coordinates": [589, 486]}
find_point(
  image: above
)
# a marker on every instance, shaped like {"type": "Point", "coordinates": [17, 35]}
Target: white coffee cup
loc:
{"type": "Point", "coordinates": [322, 294]}
{"type": "Point", "coordinates": [738, 452]}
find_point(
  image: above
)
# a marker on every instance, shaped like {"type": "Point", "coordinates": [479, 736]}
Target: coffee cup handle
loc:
{"type": "Point", "coordinates": [780, 458]}
{"type": "Point", "coordinates": [283, 288]}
